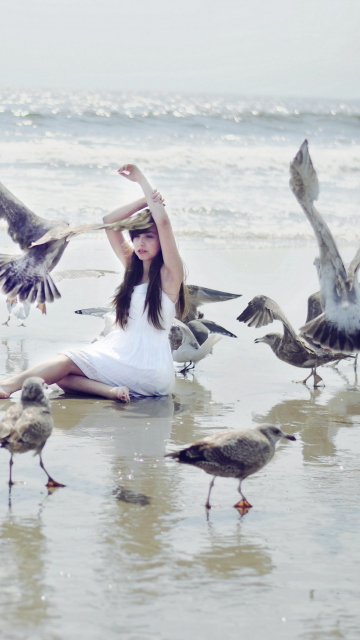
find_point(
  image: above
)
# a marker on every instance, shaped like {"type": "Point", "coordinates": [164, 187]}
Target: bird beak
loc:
{"type": "Point", "coordinates": [289, 437]}
{"type": "Point", "coordinates": [258, 340]}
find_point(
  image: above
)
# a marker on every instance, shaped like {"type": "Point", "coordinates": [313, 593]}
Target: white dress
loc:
{"type": "Point", "coordinates": [138, 356]}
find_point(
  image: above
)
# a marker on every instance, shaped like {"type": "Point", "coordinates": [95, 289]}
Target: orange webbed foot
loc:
{"type": "Point", "coordinates": [51, 484]}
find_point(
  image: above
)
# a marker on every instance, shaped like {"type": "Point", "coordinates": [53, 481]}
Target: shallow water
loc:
{"type": "Point", "coordinates": [127, 549]}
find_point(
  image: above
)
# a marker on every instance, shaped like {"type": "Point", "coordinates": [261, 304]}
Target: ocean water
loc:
{"type": "Point", "coordinates": [126, 549]}
{"type": "Point", "coordinates": [221, 162]}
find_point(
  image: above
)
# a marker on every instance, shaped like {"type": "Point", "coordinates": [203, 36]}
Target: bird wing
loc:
{"type": "Point", "coordinates": [72, 274]}
{"type": "Point", "coordinates": [305, 187]}
{"type": "Point", "coordinates": [27, 277]}
{"type": "Point", "coordinates": [9, 420]}
{"type": "Point", "coordinates": [216, 328]}
{"type": "Point", "coordinates": [261, 311]}
{"type": "Point", "coordinates": [198, 296]}
{"type": "Point", "coordinates": [140, 220]}
{"type": "Point", "coordinates": [98, 312]}
{"type": "Point", "coordinates": [314, 306]}
{"type": "Point", "coordinates": [33, 427]}
{"type": "Point", "coordinates": [180, 331]}
{"type": "Point", "coordinates": [24, 226]}
{"type": "Point", "coordinates": [339, 326]}
{"type": "Point", "coordinates": [203, 295]}
{"type": "Point", "coordinates": [352, 268]}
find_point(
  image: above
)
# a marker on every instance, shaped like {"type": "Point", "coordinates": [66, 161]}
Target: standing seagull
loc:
{"type": "Point", "coordinates": [338, 327]}
{"type": "Point", "coordinates": [186, 348]}
{"type": "Point", "coordinates": [289, 347]}
{"type": "Point", "coordinates": [27, 425]}
{"type": "Point", "coordinates": [43, 242]}
{"type": "Point", "coordinates": [233, 454]}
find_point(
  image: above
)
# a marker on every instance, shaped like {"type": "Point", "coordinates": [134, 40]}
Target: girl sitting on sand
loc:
{"type": "Point", "coordinates": [136, 357]}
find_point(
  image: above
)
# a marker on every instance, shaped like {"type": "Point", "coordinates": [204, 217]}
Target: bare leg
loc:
{"type": "Point", "coordinates": [50, 370]}
{"type": "Point", "coordinates": [85, 385]}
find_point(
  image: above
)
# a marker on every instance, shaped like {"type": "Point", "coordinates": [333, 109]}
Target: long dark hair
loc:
{"type": "Point", "coordinates": [133, 275]}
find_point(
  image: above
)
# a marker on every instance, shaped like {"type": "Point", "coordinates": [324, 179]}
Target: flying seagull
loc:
{"type": "Point", "coordinates": [289, 347]}
{"type": "Point", "coordinates": [338, 327]}
{"type": "Point", "coordinates": [232, 454]}
{"type": "Point", "coordinates": [27, 425]}
{"type": "Point", "coordinates": [43, 243]}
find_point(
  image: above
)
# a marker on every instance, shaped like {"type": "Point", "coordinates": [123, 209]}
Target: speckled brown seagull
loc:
{"type": "Point", "coordinates": [232, 454]}
{"type": "Point", "coordinates": [43, 242]}
{"type": "Point", "coordinates": [338, 327]}
{"type": "Point", "coordinates": [289, 347]}
{"type": "Point", "coordinates": [27, 425]}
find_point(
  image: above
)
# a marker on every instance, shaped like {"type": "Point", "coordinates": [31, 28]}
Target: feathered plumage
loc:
{"type": "Point", "coordinates": [43, 243]}
{"type": "Point", "coordinates": [289, 347]}
{"type": "Point", "coordinates": [27, 425]}
{"type": "Point", "coordinates": [338, 327]}
{"type": "Point", "coordinates": [185, 347]}
{"type": "Point", "coordinates": [197, 296]}
{"type": "Point", "coordinates": [232, 454]}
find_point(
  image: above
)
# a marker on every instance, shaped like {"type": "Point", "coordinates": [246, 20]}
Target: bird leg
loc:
{"type": "Point", "coordinates": [207, 504]}
{"type": "Point", "coordinates": [317, 378]}
{"type": "Point", "coordinates": [10, 471]}
{"type": "Point", "coordinates": [51, 482]}
{"type": "Point", "coordinates": [42, 307]}
{"type": "Point", "coordinates": [243, 504]}
{"type": "Point", "coordinates": [187, 367]}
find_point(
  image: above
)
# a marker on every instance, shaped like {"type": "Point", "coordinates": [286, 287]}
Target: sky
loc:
{"type": "Point", "coordinates": [307, 48]}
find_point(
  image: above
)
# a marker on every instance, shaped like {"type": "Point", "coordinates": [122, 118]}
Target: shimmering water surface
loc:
{"type": "Point", "coordinates": [126, 549]}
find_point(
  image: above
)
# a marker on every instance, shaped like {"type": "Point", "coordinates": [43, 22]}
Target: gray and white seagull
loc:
{"type": "Point", "coordinates": [289, 347]}
{"type": "Point", "coordinates": [43, 243]}
{"type": "Point", "coordinates": [338, 327]}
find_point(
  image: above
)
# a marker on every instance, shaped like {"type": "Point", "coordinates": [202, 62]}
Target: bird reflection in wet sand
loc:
{"type": "Point", "coordinates": [233, 454]}
{"type": "Point", "coordinates": [132, 497]}
{"type": "Point", "coordinates": [289, 347]}
{"type": "Point", "coordinates": [27, 425]}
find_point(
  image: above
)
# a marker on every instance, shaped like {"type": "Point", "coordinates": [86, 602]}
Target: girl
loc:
{"type": "Point", "coordinates": [136, 357]}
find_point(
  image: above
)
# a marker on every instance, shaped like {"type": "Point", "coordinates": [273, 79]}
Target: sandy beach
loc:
{"type": "Point", "coordinates": [131, 528]}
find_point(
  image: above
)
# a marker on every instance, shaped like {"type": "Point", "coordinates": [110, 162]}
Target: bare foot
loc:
{"type": "Point", "coordinates": [120, 393]}
{"type": "Point", "coordinates": [4, 393]}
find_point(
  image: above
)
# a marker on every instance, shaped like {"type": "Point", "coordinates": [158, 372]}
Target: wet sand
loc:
{"type": "Point", "coordinates": [127, 549]}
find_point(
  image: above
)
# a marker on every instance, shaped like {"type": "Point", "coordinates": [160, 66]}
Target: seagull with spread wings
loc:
{"type": "Point", "coordinates": [338, 327]}
{"type": "Point", "coordinates": [43, 243]}
{"type": "Point", "coordinates": [289, 347]}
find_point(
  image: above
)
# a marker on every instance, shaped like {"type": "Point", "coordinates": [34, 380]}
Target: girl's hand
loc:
{"type": "Point", "coordinates": [131, 172]}
{"type": "Point", "coordinates": [157, 197]}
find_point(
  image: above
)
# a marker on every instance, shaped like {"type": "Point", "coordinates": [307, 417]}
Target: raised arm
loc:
{"type": "Point", "coordinates": [117, 239]}
{"type": "Point", "coordinates": [172, 273]}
